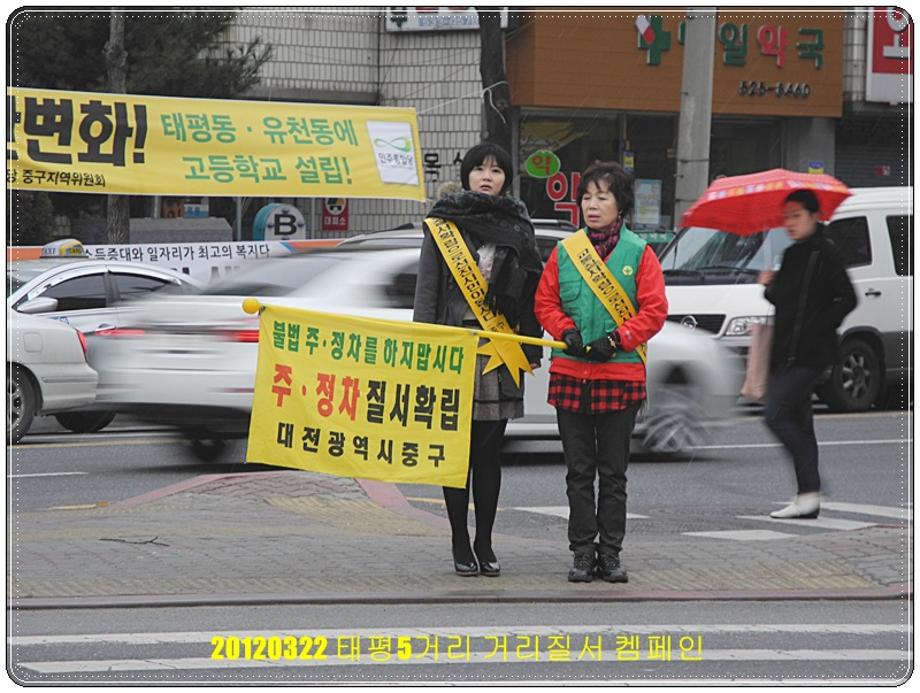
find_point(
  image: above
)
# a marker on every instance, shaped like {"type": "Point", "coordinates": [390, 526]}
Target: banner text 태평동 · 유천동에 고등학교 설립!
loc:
{"type": "Point", "coordinates": [150, 145]}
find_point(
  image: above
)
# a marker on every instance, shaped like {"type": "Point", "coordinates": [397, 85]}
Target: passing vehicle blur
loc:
{"type": "Point", "coordinates": [46, 371]}
{"type": "Point", "coordinates": [89, 295]}
{"type": "Point", "coordinates": [190, 361]}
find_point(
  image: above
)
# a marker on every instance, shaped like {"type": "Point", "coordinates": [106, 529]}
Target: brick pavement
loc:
{"type": "Point", "coordinates": [293, 536]}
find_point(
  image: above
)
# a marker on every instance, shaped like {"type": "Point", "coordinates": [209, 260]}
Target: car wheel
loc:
{"type": "Point", "coordinates": [673, 424]}
{"type": "Point", "coordinates": [208, 449]}
{"type": "Point", "coordinates": [21, 403]}
{"type": "Point", "coordinates": [856, 380]}
{"type": "Point", "coordinates": [85, 421]}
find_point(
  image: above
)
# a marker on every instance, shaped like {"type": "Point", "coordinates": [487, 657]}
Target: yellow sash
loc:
{"type": "Point", "coordinates": [474, 287]}
{"type": "Point", "coordinates": [602, 282]}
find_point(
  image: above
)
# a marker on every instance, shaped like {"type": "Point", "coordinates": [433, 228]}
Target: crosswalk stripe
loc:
{"type": "Point", "coordinates": [42, 474]}
{"type": "Point", "coordinates": [829, 443]}
{"type": "Point", "coordinates": [743, 534]}
{"type": "Point", "coordinates": [816, 523]}
{"type": "Point", "coordinates": [185, 663]}
{"type": "Point", "coordinates": [865, 509]}
{"type": "Point", "coordinates": [192, 637]}
{"type": "Point", "coordinates": [563, 511]}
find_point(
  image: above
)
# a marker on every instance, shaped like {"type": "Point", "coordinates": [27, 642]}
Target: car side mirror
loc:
{"type": "Point", "coordinates": [40, 304]}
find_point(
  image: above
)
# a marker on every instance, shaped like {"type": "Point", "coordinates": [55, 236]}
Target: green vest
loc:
{"type": "Point", "coordinates": [579, 301]}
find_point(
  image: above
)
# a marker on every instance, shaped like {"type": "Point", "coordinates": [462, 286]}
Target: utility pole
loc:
{"type": "Point", "coordinates": [695, 123]}
{"type": "Point", "coordinates": [496, 96]}
{"type": "Point", "coordinates": [117, 208]}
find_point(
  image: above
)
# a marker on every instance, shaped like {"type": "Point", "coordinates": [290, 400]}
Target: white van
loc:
{"type": "Point", "coordinates": [712, 285]}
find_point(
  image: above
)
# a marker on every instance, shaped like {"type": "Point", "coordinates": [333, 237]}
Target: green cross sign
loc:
{"type": "Point", "coordinates": [661, 42]}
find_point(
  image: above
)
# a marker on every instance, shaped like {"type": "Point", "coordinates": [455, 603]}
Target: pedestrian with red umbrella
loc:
{"type": "Point", "coordinates": [812, 295]}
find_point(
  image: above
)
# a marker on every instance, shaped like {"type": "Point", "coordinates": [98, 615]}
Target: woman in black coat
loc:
{"type": "Point", "coordinates": [500, 236]}
{"type": "Point", "coordinates": [812, 295]}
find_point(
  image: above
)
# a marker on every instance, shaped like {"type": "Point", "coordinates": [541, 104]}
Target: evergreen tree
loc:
{"type": "Point", "coordinates": [185, 53]}
{"type": "Point", "coordinates": [169, 54]}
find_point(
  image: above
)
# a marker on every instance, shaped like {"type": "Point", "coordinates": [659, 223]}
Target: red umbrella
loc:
{"type": "Point", "coordinates": [748, 204]}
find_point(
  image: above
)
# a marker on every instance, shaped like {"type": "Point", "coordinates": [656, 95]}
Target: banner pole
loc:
{"type": "Point", "coordinates": [523, 339]}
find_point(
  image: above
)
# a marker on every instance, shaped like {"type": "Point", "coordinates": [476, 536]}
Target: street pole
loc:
{"type": "Point", "coordinates": [117, 206]}
{"type": "Point", "coordinates": [695, 122]}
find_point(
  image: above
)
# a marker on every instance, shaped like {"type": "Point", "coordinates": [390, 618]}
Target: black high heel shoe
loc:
{"type": "Point", "coordinates": [488, 568]}
{"type": "Point", "coordinates": [466, 568]}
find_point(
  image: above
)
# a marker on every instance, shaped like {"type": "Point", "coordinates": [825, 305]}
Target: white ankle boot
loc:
{"type": "Point", "coordinates": [803, 506]}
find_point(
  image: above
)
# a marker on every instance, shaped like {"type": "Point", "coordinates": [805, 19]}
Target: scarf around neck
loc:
{"type": "Point", "coordinates": [502, 220]}
{"type": "Point", "coordinates": [605, 240]}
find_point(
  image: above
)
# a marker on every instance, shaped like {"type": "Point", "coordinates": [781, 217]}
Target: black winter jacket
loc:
{"type": "Point", "coordinates": [807, 317]}
{"type": "Point", "coordinates": [439, 300]}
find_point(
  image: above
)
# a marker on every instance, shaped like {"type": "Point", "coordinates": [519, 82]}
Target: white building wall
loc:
{"type": "Point", "coordinates": [337, 55]}
{"type": "Point", "coordinates": [854, 54]}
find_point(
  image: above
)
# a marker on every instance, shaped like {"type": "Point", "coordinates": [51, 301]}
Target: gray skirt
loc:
{"type": "Point", "coordinates": [493, 399]}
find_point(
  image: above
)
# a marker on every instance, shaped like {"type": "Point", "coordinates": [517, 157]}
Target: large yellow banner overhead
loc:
{"type": "Point", "coordinates": [359, 397]}
{"type": "Point", "coordinates": [119, 143]}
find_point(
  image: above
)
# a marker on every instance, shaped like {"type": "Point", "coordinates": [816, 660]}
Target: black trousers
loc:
{"type": "Point", "coordinates": [789, 416]}
{"type": "Point", "coordinates": [597, 445]}
{"type": "Point", "coordinates": [485, 476]}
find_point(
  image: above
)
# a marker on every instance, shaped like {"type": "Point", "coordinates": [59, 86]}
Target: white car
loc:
{"type": "Point", "coordinates": [190, 360]}
{"type": "Point", "coordinates": [86, 294]}
{"type": "Point", "coordinates": [46, 371]}
{"type": "Point", "coordinates": [712, 285]}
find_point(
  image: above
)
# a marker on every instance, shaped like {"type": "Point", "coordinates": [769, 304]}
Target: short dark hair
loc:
{"type": "Point", "coordinates": [806, 198]}
{"type": "Point", "coordinates": [478, 155]}
{"type": "Point", "coordinates": [615, 178]}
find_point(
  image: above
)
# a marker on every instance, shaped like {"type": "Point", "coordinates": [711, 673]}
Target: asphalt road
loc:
{"type": "Point", "coordinates": [865, 458]}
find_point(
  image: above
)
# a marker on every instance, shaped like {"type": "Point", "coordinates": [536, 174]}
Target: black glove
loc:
{"type": "Point", "coordinates": [601, 350]}
{"type": "Point", "coordinates": [573, 344]}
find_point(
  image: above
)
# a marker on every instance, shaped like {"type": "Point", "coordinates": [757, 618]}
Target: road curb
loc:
{"type": "Point", "coordinates": [899, 591]}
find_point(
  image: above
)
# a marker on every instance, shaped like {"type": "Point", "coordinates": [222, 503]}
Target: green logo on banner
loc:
{"type": "Point", "coordinates": [542, 164]}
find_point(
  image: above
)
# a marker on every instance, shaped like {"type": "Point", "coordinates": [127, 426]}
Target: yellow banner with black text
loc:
{"type": "Point", "coordinates": [120, 143]}
{"type": "Point", "coordinates": [361, 397]}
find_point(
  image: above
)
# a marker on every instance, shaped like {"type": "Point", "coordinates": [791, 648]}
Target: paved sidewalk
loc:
{"type": "Point", "coordinates": [290, 536]}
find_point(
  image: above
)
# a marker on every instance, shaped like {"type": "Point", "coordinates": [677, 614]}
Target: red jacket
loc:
{"type": "Point", "coordinates": [651, 303]}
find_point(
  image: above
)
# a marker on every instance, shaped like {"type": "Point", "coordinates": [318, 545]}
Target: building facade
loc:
{"type": "Point", "coordinates": [790, 89]}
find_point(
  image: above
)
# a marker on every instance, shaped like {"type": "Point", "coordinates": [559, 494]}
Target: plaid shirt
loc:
{"type": "Point", "coordinates": [593, 396]}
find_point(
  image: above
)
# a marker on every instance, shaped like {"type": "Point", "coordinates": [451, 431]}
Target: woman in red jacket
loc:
{"type": "Point", "coordinates": [598, 383]}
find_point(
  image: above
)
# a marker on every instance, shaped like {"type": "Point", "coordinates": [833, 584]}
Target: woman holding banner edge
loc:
{"type": "Point", "coordinates": [499, 235]}
{"type": "Point", "coordinates": [603, 294]}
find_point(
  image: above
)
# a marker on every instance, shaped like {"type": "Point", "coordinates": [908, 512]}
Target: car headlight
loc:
{"type": "Point", "coordinates": [741, 327]}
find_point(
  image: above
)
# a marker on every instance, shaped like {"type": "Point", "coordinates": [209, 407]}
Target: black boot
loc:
{"type": "Point", "coordinates": [583, 568]}
{"type": "Point", "coordinates": [610, 569]}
